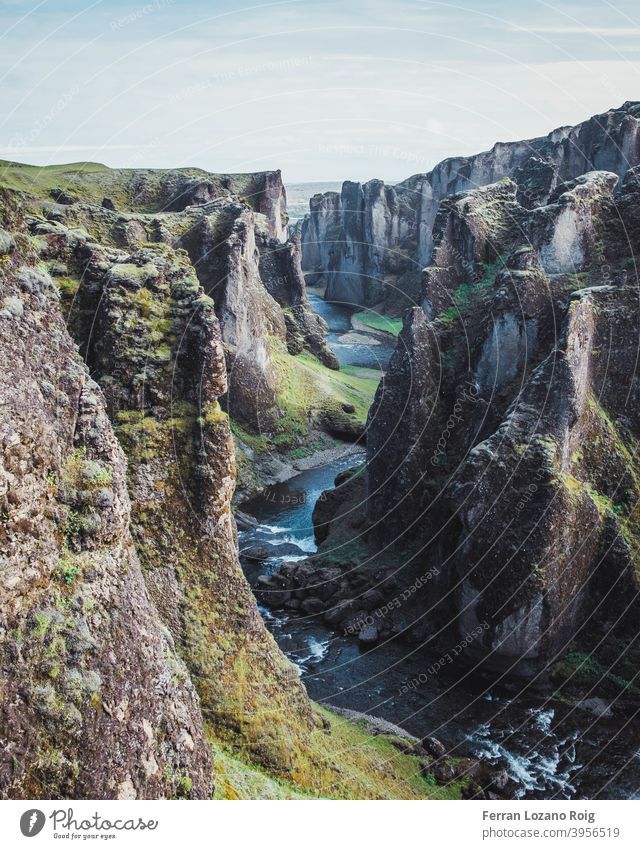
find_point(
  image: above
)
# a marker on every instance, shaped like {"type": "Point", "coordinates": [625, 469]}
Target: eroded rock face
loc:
{"type": "Point", "coordinates": [565, 230]}
{"type": "Point", "coordinates": [367, 244]}
{"type": "Point", "coordinates": [271, 200]}
{"type": "Point", "coordinates": [547, 500]}
{"type": "Point", "coordinates": [502, 444]}
{"type": "Point", "coordinates": [154, 342]}
{"type": "Point", "coordinates": [260, 299]}
{"type": "Point", "coordinates": [226, 258]}
{"type": "Point", "coordinates": [608, 142]}
{"type": "Point", "coordinates": [236, 246]}
{"type": "Point", "coordinates": [155, 346]}
{"type": "Point", "coordinates": [96, 700]}
{"type": "Point", "coordinates": [350, 241]}
{"type": "Point", "coordinates": [282, 277]}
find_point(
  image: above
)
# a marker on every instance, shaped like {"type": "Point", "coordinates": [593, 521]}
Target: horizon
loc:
{"type": "Point", "coordinates": [278, 86]}
{"type": "Point", "coordinates": [294, 182]}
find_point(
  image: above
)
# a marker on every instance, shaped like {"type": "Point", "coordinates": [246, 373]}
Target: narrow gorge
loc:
{"type": "Point", "coordinates": [346, 507]}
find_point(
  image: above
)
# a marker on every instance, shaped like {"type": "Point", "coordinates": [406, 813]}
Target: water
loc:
{"type": "Point", "coordinates": [550, 749]}
{"type": "Point", "coordinates": [284, 513]}
{"type": "Point", "coordinates": [362, 348]}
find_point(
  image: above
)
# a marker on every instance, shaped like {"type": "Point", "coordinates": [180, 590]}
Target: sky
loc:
{"type": "Point", "coordinates": [323, 89]}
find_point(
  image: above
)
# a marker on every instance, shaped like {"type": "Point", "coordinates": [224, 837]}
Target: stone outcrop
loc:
{"type": "Point", "coordinates": [351, 240]}
{"type": "Point", "coordinates": [260, 298]}
{"type": "Point", "coordinates": [367, 244]}
{"type": "Point", "coordinates": [96, 700]}
{"type": "Point", "coordinates": [502, 444]}
{"type": "Point", "coordinates": [548, 503]}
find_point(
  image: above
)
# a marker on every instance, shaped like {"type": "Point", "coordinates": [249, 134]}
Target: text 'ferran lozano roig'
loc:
{"type": "Point", "coordinates": [540, 816]}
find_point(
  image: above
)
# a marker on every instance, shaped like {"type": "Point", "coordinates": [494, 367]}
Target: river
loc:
{"type": "Point", "coordinates": [550, 748]}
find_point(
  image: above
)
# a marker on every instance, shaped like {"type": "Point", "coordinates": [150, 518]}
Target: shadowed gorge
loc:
{"type": "Point", "coordinates": [133, 624]}
{"type": "Point", "coordinates": [245, 462]}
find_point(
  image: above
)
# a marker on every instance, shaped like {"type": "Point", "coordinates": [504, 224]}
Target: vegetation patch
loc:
{"type": "Point", "coordinates": [610, 668]}
{"type": "Point", "coordinates": [342, 760]}
{"type": "Point", "coordinates": [468, 295]}
{"type": "Point", "coordinates": [376, 321]}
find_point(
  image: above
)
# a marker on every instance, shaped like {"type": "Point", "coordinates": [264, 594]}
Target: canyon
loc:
{"type": "Point", "coordinates": [165, 363]}
{"type": "Point", "coordinates": [502, 442]}
{"type": "Point", "coordinates": [135, 662]}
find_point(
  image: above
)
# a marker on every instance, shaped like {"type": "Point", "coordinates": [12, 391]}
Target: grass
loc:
{"type": "Point", "coordinates": [342, 761]}
{"type": "Point", "coordinates": [351, 384]}
{"type": "Point", "coordinates": [376, 321]}
{"type": "Point", "coordinates": [308, 391]}
{"type": "Point", "coordinates": [92, 181]}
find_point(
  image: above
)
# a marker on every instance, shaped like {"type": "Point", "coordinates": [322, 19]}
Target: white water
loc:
{"type": "Point", "coordinates": [546, 766]}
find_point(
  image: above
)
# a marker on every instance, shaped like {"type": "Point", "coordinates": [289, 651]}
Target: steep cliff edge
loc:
{"type": "Point", "coordinates": [368, 244]}
{"type": "Point", "coordinates": [96, 701]}
{"type": "Point", "coordinates": [500, 494]}
{"type": "Point", "coordinates": [135, 663]}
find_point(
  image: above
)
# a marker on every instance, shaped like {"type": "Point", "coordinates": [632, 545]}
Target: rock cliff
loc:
{"type": "Point", "coordinates": [96, 701]}
{"type": "Point", "coordinates": [135, 663]}
{"type": "Point", "coordinates": [500, 491]}
{"type": "Point", "coordinates": [368, 244]}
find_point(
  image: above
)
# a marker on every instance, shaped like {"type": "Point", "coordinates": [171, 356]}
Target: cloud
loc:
{"type": "Point", "coordinates": [324, 90]}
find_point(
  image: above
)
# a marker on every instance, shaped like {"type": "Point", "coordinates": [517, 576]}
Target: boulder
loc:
{"type": "Point", "coordinates": [7, 242]}
{"type": "Point", "coordinates": [368, 634]}
{"type": "Point", "coordinates": [312, 606]}
{"type": "Point", "coordinates": [434, 747]}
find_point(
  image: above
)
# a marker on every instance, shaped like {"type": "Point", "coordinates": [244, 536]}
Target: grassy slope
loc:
{"type": "Point", "coordinates": [376, 321]}
{"type": "Point", "coordinates": [92, 181]}
{"type": "Point", "coordinates": [345, 763]}
{"type": "Point", "coordinates": [307, 385]}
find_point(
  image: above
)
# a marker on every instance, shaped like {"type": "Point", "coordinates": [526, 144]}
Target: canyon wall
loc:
{"type": "Point", "coordinates": [366, 245]}
{"type": "Point", "coordinates": [518, 444]}
{"type": "Point", "coordinates": [96, 700]}
{"type": "Point", "coordinates": [500, 495]}
{"type": "Point", "coordinates": [135, 662]}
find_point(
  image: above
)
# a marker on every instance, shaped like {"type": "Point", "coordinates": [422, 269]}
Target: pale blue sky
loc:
{"type": "Point", "coordinates": [325, 90]}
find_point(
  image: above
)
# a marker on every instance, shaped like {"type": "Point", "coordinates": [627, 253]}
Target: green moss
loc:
{"type": "Point", "coordinates": [180, 781]}
{"type": "Point", "coordinates": [311, 385]}
{"type": "Point", "coordinates": [67, 286]}
{"type": "Point", "coordinates": [68, 568]}
{"type": "Point", "coordinates": [609, 669]}
{"type": "Point", "coordinates": [342, 760]}
{"type": "Point", "coordinates": [145, 436]}
{"type": "Point", "coordinates": [212, 413]}
{"type": "Point", "coordinates": [256, 442]}
{"type": "Point", "coordinates": [53, 775]}
{"type": "Point", "coordinates": [467, 296]}
{"type": "Point", "coordinates": [579, 280]}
